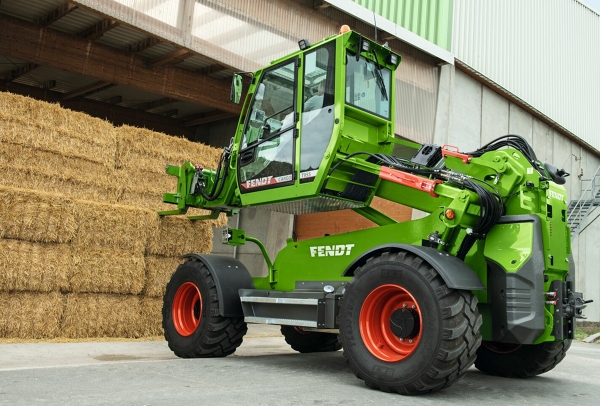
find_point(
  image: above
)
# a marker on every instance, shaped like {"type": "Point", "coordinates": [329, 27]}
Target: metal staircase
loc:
{"type": "Point", "coordinates": [580, 209]}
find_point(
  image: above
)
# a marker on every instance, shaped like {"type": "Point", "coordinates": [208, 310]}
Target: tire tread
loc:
{"type": "Point", "coordinates": [461, 336]}
{"type": "Point", "coordinates": [222, 336]}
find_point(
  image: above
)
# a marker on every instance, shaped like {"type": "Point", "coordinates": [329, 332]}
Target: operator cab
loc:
{"type": "Point", "coordinates": [297, 110]}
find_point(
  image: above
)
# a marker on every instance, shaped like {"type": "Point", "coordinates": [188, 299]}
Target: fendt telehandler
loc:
{"type": "Point", "coordinates": [485, 278]}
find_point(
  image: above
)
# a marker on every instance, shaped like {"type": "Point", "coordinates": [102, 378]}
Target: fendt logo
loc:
{"type": "Point", "coordinates": [557, 196]}
{"type": "Point", "coordinates": [331, 250]}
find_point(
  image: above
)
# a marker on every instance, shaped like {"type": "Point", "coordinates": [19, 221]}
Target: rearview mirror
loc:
{"type": "Point", "coordinates": [236, 88]}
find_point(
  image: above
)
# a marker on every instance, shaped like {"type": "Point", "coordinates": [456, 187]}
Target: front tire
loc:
{"type": "Point", "coordinates": [191, 321]}
{"type": "Point", "coordinates": [520, 361]}
{"type": "Point", "coordinates": [403, 329]}
{"type": "Point", "coordinates": [310, 341]}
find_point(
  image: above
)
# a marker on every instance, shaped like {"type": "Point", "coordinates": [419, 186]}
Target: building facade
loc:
{"type": "Point", "coordinates": [472, 71]}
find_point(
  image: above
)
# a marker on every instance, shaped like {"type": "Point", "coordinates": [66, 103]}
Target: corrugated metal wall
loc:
{"type": "Point", "coordinates": [545, 52]}
{"type": "Point", "coordinates": [430, 19]}
{"type": "Point", "coordinates": [416, 100]}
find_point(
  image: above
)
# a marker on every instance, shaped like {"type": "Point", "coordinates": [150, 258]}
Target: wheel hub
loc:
{"type": "Point", "coordinates": [187, 309]}
{"type": "Point", "coordinates": [390, 323]}
{"type": "Point", "coordinates": [404, 323]}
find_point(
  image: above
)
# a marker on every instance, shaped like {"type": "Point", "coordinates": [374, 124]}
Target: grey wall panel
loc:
{"type": "Point", "coordinates": [417, 85]}
{"type": "Point", "coordinates": [442, 114]}
{"type": "Point", "coordinates": [545, 52]}
{"type": "Point", "coordinates": [543, 141]}
{"type": "Point", "coordinates": [465, 126]}
{"type": "Point", "coordinates": [520, 123]}
{"type": "Point", "coordinates": [587, 258]}
{"type": "Point", "coordinates": [494, 115]}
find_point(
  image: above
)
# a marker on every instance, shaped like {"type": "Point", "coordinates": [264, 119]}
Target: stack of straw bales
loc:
{"type": "Point", "coordinates": [82, 251]}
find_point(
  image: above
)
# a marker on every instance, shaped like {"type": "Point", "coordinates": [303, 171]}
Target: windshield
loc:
{"type": "Point", "coordinates": [368, 86]}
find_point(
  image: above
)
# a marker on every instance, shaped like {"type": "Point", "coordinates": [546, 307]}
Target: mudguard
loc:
{"type": "Point", "coordinates": [230, 275]}
{"type": "Point", "coordinates": [453, 271]}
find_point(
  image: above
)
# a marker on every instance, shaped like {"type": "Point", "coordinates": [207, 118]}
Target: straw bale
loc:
{"type": "Point", "coordinates": [158, 273]}
{"type": "Point", "coordinates": [179, 236]}
{"type": "Point", "coordinates": [221, 221]}
{"type": "Point", "coordinates": [146, 190]}
{"type": "Point", "coordinates": [33, 168]}
{"type": "Point", "coordinates": [142, 149]}
{"type": "Point", "coordinates": [101, 315]}
{"type": "Point", "coordinates": [31, 315]}
{"type": "Point", "coordinates": [36, 216]}
{"type": "Point", "coordinates": [67, 187]}
{"type": "Point", "coordinates": [151, 316]}
{"type": "Point", "coordinates": [48, 126]}
{"type": "Point", "coordinates": [36, 267]}
{"type": "Point", "coordinates": [113, 226]}
{"type": "Point", "coordinates": [106, 270]}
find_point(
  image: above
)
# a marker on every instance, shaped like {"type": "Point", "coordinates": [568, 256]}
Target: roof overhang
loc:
{"type": "Point", "coordinates": [369, 17]}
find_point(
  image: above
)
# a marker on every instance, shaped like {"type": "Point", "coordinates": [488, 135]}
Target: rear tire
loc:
{"type": "Point", "coordinates": [520, 361]}
{"type": "Point", "coordinates": [191, 321]}
{"type": "Point", "coordinates": [308, 341]}
{"type": "Point", "coordinates": [439, 326]}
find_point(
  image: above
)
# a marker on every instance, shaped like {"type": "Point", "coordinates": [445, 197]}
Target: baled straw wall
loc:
{"type": "Point", "coordinates": [31, 314]}
{"type": "Point", "coordinates": [35, 267]}
{"type": "Point", "coordinates": [82, 251]}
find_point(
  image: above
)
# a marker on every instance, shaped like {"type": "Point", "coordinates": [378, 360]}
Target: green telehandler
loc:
{"type": "Point", "coordinates": [485, 278]}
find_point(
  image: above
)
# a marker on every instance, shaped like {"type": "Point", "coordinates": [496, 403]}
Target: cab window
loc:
{"type": "Point", "coordinates": [368, 86]}
{"type": "Point", "coordinates": [266, 154]}
{"type": "Point", "coordinates": [317, 111]}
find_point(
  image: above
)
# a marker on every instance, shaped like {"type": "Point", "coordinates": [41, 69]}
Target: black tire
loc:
{"type": "Point", "coordinates": [444, 341]}
{"type": "Point", "coordinates": [197, 330]}
{"type": "Point", "coordinates": [520, 361]}
{"type": "Point", "coordinates": [310, 341]}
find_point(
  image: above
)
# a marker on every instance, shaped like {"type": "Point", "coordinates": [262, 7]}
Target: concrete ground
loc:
{"type": "Point", "coordinates": [264, 371]}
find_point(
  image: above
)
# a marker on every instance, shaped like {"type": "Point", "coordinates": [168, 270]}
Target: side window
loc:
{"type": "Point", "coordinates": [266, 155]}
{"type": "Point", "coordinates": [317, 111]}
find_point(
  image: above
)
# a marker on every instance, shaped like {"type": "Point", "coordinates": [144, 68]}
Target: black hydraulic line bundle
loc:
{"type": "Point", "coordinates": [490, 201]}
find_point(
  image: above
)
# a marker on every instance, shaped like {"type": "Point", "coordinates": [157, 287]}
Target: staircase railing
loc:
{"type": "Point", "coordinates": [590, 198]}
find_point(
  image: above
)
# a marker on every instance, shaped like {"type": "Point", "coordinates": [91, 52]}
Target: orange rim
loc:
{"type": "Point", "coordinates": [375, 323]}
{"type": "Point", "coordinates": [187, 309]}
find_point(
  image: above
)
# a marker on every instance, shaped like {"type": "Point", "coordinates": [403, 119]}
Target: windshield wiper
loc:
{"type": "Point", "coordinates": [379, 79]}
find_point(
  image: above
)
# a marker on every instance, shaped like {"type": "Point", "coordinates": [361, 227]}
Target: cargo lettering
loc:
{"type": "Point", "coordinates": [331, 250]}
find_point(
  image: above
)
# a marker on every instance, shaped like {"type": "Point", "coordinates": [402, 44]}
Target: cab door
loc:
{"type": "Point", "coordinates": [266, 157]}
{"type": "Point", "coordinates": [317, 109]}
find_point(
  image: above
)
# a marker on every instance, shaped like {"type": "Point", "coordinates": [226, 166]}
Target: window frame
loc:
{"type": "Point", "coordinates": [294, 61]}
{"type": "Point", "coordinates": [388, 85]}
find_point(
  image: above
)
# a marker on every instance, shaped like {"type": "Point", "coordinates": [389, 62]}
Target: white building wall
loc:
{"type": "Point", "coordinates": [545, 52]}
{"type": "Point", "coordinates": [587, 260]}
{"type": "Point", "coordinates": [470, 114]}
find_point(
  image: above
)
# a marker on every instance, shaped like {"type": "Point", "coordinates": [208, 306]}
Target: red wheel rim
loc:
{"type": "Point", "coordinates": [187, 309]}
{"type": "Point", "coordinates": [374, 322]}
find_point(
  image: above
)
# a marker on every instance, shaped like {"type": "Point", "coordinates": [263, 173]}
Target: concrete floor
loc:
{"type": "Point", "coordinates": [264, 371]}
